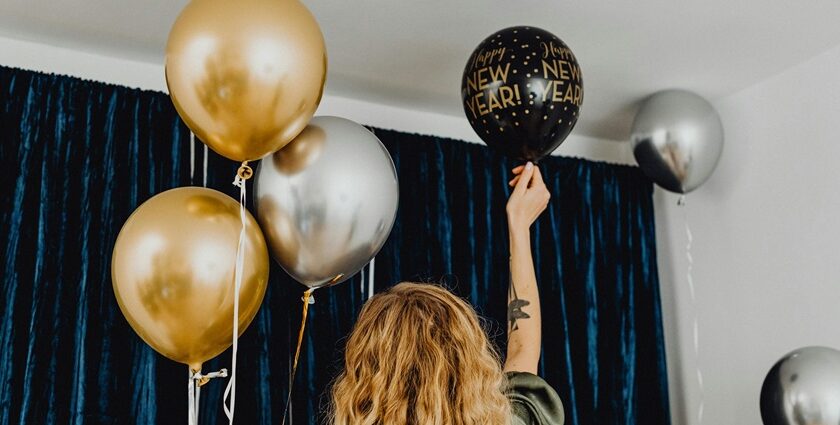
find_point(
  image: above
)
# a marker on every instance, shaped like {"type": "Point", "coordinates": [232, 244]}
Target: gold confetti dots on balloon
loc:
{"type": "Point", "coordinates": [512, 72]}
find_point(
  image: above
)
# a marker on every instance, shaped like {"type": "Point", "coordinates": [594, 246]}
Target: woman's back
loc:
{"type": "Point", "coordinates": [418, 355]}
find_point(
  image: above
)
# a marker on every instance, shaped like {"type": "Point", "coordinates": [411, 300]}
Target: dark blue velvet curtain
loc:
{"type": "Point", "coordinates": [77, 157]}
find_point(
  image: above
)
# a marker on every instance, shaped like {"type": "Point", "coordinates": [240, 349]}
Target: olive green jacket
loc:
{"type": "Point", "coordinates": [533, 401]}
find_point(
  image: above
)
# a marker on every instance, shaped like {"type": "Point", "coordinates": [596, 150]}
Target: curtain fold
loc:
{"type": "Point", "coordinates": [77, 157]}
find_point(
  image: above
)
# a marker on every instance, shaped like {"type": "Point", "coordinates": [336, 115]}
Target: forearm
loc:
{"type": "Point", "coordinates": [524, 321]}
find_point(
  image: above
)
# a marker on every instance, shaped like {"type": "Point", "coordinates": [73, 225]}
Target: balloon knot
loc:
{"type": "Point", "coordinates": [202, 379]}
{"type": "Point", "coordinates": [244, 172]}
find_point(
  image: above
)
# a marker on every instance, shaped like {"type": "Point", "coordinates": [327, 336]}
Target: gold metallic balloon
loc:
{"type": "Point", "coordinates": [246, 75]}
{"type": "Point", "coordinates": [173, 272]}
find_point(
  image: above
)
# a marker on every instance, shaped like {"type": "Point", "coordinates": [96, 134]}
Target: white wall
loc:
{"type": "Point", "coordinates": [41, 57]}
{"type": "Point", "coordinates": [766, 243]}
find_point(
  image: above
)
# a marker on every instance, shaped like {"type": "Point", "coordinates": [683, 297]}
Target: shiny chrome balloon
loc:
{"type": "Point", "coordinates": [803, 388]}
{"type": "Point", "coordinates": [327, 201]}
{"type": "Point", "coordinates": [677, 139]}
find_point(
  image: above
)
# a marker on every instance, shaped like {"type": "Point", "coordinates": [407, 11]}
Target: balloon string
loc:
{"type": "Point", "coordinates": [192, 409]}
{"type": "Point", "coordinates": [192, 156]}
{"type": "Point", "coordinates": [695, 325]}
{"type": "Point", "coordinates": [205, 166]}
{"type": "Point", "coordinates": [371, 275]}
{"type": "Point", "coordinates": [244, 173]}
{"type": "Point", "coordinates": [195, 381]}
{"type": "Point", "coordinates": [363, 281]}
{"type": "Point", "coordinates": [307, 299]}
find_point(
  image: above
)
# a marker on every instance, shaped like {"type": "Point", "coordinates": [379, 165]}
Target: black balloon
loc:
{"type": "Point", "coordinates": [522, 90]}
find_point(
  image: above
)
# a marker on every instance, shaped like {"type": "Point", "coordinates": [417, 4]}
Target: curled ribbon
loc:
{"type": "Point", "coordinates": [695, 326]}
{"type": "Point", "coordinates": [307, 300]}
{"type": "Point", "coordinates": [244, 173]}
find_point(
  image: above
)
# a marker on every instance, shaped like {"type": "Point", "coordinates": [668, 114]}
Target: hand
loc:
{"type": "Point", "coordinates": [529, 198]}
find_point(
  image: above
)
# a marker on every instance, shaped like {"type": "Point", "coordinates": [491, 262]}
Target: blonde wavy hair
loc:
{"type": "Point", "coordinates": [418, 356]}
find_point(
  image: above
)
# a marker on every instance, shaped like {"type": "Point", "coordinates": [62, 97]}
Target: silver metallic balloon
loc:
{"type": "Point", "coordinates": [677, 139]}
{"type": "Point", "coordinates": [803, 388]}
{"type": "Point", "coordinates": [326, 202]}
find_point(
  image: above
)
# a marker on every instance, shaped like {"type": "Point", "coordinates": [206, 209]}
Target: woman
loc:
{"type": "Point", "coordinates": [418, 354]}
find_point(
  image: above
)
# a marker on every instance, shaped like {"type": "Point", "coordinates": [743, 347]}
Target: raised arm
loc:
{"type": "Point", "coordinates": [526, 203]}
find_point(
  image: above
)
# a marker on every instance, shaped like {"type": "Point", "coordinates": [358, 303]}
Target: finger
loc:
{"type": "Point", "coordinates": [518, 169]}
{"type": "Point", "coordinates": [514, 181]}
{"type": "Point", "coordinates": [524, 179]}
{"type": "Point", "coordinates": [537, 180]}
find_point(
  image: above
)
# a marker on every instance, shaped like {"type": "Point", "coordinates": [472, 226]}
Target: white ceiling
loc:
{"type": "Point", "coordinates": [412, 53]}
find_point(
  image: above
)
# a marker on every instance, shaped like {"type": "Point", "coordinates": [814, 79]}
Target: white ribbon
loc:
{"type": "Point", "coordinates": [192, 161]}
{"type": "Point", "coordinates": [695, 325]}
{"type": "Point", "coordinates": [230, 390]}
{"type": "Point", "coordinates": [192, 156]}
{"type": "Point", "coordinates": [205, 166]}
{"type": "Point", "coordinates": [192, 403]}
{"type": "Point", "coordinates": [362, 282]}
{"type": "Point", "coordinates": [195, 381]}
{"type": "Point", "coordinates": [370, 275]}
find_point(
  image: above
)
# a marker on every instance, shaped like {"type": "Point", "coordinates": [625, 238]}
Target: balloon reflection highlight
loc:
{"type": "Point", "coordinates": [246, 76]}
{"type": "Point", "coordinates": [803, 388]}
{"type": "Point", "coordinates": [677, 139]}
{"type": "Point", "coordinates": [173, 272]}
{"type": "Point", "coordinates": [327, 201]}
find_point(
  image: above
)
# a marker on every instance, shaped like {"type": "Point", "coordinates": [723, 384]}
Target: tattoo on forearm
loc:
{"type": "Point", "coordinates": [515, 306]}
